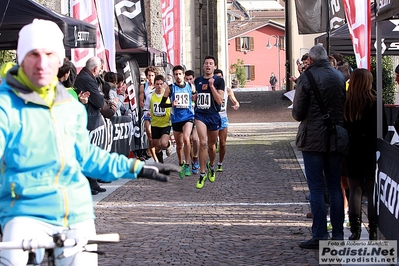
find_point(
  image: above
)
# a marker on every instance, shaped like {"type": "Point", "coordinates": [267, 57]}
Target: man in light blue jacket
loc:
{"type": "Point", "coordinates": [45, 151]}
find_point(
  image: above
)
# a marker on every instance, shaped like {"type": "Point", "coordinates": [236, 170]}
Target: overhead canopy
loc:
{"type": "Point", "coordinates": [14, 14]}
{"type": "Point", "coordinates": [340, 40]}
{"type": "Point", "coordinates": [388, 10]}
{"type": "Point", "coordinates": [143, 55]}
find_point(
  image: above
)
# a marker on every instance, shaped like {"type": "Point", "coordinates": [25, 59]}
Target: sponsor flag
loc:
{"type": "Point", "coordinates": [171, 30]}
{"type": "Point", "coordinates": [312, 15]}
{"type": "Point", "coordinates": [85, 10]}
{"type": "Point", "coordinates": [358, 15]}
{"type": "Point", "coordinates": [106, 23]}
{"type": "Point", "coordinates": [130, 18]}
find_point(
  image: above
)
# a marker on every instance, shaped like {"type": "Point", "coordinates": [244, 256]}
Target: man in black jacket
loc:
{"type": "Point", "coordinates": [320, 159]}
{"type": "Point", "coordinates": [86, 80]}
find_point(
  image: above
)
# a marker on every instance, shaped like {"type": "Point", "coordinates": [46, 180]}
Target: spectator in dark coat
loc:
{"type": "Point", "coordinates": [85, 81]}
{"type": "Point", "coordinates": [320, 158]}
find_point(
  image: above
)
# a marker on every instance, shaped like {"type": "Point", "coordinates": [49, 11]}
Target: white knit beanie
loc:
{"type": "Point", "coordinates": [40, 34]}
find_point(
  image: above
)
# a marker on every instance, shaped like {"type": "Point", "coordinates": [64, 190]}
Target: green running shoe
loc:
{"type": "Point", "coordinates": [182, 172]}
{"type": "Point", "coordinates": [220, 168]}
{"type": "Point", "coordinates": [201, 181]}
{"type": "Point", "coordinates": [187, 170]}
{"type": "Point", "coordinates": [329, 227]}
{"type": "Point", "coordinates": [211, 172]}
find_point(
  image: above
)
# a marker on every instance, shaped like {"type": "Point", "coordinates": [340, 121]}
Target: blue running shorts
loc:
{"type": "Point", "coordinates": [224, 123]}
{"type": "Point", "coordinates": [212, 122]}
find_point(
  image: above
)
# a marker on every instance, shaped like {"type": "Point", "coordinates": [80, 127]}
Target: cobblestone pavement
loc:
{"type": "Point", "coordinates": [261, 107]}
{"type": "Point", "coordinates": [254, 213]}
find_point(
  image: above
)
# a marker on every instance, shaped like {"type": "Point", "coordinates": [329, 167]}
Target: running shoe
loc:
{"type": "Point", "coordinates": [182, 172]}
{"type": "Point", "coordinates": [187, 171]}
{"type": "Point", "coordinates": [194, 171]}
{"type": "Point", "coordinates": [201, 181]}
{"type": "Point", "coordinates": [211, 173]}
{"type": "Point", "coordinates": [347, 224]}
{"type": "Point", "coordinates": [195, 165]}
{"type": "Point", "coordinates": [329, 227]}
{"type": "Point", "coordinates": [220, 168]}
{"type": "Point", "coordinates": [169, 149]}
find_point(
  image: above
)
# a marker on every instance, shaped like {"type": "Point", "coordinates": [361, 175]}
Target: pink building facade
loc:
{"type": "Point", "coordinates": [262, 48]}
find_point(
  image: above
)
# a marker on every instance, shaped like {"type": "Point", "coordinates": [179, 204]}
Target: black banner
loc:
{"type": "Point", "coordinates": [129, 67]}
{"type": "Point", "coordinates": [312, 15]}
{"type": "Point", "coordinates": [337, 14]}
{"type": "Point", "coordinates": [122, 133]}
{"type": "Point", "coordinates": [113, 134]}
{"type": "Point", "coordinates": [392, 113]}
{"type": "Point", "coordinates": [130, 18]}
{"type": "Point", "coordinates": [387, 189]}
{"type": "Point", "coordinates": [101, 136]}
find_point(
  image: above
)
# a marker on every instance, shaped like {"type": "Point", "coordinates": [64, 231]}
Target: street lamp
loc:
{"type": "Point", "coordinates": [278, 46]}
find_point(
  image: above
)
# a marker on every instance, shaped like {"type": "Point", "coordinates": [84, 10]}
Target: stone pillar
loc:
{"type": "Point", "coordinates": [153, 20]}
{"type": "Point", "coordinates": [211, 30]}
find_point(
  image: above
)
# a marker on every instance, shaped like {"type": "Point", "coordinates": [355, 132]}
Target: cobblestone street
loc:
{"type": "Point", "coordinates": [254, 214]}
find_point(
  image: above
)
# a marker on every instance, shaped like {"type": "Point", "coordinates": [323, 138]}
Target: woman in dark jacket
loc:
{"type": "Point", "coordinates": [360, 113]}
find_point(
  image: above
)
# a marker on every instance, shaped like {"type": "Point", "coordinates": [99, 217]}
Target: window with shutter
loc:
{"type": "Point", "coordinates": [282, 42]}
{"type": "Point", "coordinates": [249, 72]}
{"type": "Point", "coordinates": [252, 70]}
{"type": "Point", "coordinates": [245, 44]}
{"type": "Point", "coordinates": [238, 44]}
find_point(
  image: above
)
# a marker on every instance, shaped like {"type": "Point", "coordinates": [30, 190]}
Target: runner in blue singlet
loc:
{"type": "Point", "coordinates": [210, 91]}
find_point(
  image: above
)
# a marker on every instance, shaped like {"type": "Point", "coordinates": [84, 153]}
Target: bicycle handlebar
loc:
{"type": "Point", "coordinates": [49, 242]}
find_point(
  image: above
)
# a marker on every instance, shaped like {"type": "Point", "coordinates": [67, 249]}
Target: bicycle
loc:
{"type": "Point", "coordinates": [58, 247]}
